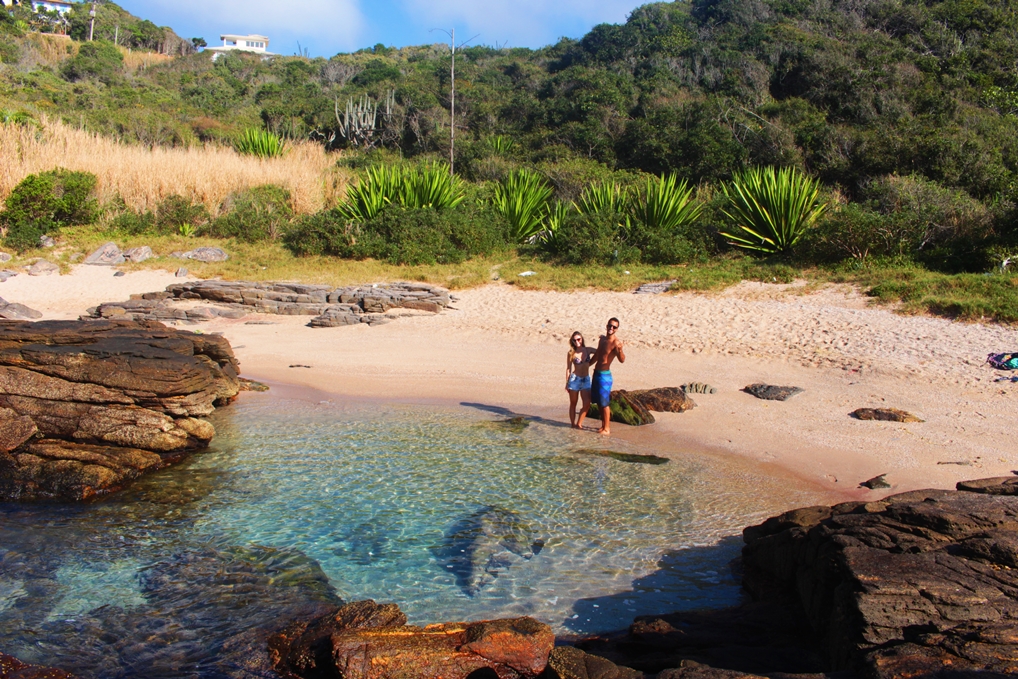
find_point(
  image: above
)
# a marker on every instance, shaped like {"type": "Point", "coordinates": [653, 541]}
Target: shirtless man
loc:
{"type": "Point", "coordinates": [609, 347]}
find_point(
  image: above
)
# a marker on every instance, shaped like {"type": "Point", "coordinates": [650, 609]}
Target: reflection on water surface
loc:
{"type": "Point", "coordinates": [298, 505]}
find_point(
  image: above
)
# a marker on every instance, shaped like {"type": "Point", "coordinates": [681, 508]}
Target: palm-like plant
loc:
{"type": "Point", "coordinates": [666, 204]}
{"type": "Point", "coordinates": [553, 230]}
{"type": "Point", "coordinates": [261, 143]}
{"type": "Point", "coordinates": [430, 186]}
{"type": "Point", "coordinates": [377, 189]}
{"type": "Point", "coordinates": [772, 208]}
{"type": "Point", "coordinates": [522, 198]}
{"type": "Point", "coordinates": [606, 197]}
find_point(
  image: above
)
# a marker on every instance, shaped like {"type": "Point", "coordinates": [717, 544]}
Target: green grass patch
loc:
{"type": "Point", "coordinates": [909, 287]}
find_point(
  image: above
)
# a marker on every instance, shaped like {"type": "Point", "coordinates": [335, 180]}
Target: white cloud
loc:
{"type": "Point", "coordinates": [335, 24]}
{"type": "Point", "coordinates": [524, 23]}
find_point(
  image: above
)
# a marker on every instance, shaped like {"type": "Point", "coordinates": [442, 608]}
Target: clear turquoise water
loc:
{"type": "Point", "coordinates": [300, 504]}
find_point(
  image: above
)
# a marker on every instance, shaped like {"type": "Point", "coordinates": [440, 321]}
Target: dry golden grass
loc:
{"type": "Point", "coordinates": [144, 176]}
{"type": "Point", "coordinates": [139, 61]}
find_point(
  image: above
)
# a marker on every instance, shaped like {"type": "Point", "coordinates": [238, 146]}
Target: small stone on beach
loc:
{"type": "Point", "coordinates": [876, 482]}
{"type": "Point", "coordinates": [769, 392]}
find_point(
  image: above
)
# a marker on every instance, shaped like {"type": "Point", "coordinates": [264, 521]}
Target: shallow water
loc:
{"type": "Point", "coordinates": [445, 511]}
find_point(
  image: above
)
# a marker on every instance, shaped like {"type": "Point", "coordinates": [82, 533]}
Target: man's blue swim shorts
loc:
{"type": "Point", "coordinates": [601, 388]}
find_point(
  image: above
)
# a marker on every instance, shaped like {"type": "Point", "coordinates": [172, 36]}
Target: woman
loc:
{"type": "Point", "coordinates": [578, 378]}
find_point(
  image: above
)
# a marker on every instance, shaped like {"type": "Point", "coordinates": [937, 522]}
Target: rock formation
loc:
{"type": "Point", "coordinates": [87, 407]}
{"type": "Point", "coordinates": [633, 407]}
{"type": "Point", "coordinates": [770, 392]}
{"type": "Point", "coordinates": [884, 415]}
{"type": "Point", "coordinates": [331, 306]}
{"type": "Point", "coordinates": [365, 640]}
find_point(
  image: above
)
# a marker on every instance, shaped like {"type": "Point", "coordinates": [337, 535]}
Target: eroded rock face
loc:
{"type": "Point", "coordinates": [109, 400]}
{"type": "Point", "coordinates": [664, 399]}
{"type": "Point", "coordinates": [913, 585]}
{"type": "Point", "coordinates": [365, 640]}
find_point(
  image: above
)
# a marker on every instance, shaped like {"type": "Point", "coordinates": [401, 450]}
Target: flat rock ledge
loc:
{"type": "Point", "coordinates": [329, 305]}
{"type": "Point", "coordinates": [85, 408]}
{"type": "Point", "coordinates": [12, 668]}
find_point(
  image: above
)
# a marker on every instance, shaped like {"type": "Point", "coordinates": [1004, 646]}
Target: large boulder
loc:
{"type": "Point", "coordinates": [918, 584]}
{"type": "Point", "coordinates": [664, 399]}
{"type": "Point", "coordinates": [365, 640]}
{"type": "Point", "coordinates": [111, 399]}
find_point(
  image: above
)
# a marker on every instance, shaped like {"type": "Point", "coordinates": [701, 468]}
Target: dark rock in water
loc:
{"type": "Point", "coordinates": [876, 483]}
{"type": "Point", "coordinates": [102, 393]}
{"type": "Point", "coordinates": [107, 254]}
{"type": "Point", "coordinates": [624, 409]}
{"type": "Point", "coordinates": [622, 457]}
{"type": "Point", "coordinates": [513, 424]}
{"type": "Point", "coordinates": [770, 392]}
{"type": "Point", "coordinates": [569, 662]}
{"type": "Point", "coordinates": [884, 414]}
{"type": "Point", "coordinates": [363, 544]}
{"type": "Point", "coordinates": [12, 668]}
{"type": "Point", "coordinates": [663, 399]}
{"type": "Point", "coordinates": [364, 640]}
{"type": "Point", "coordinates": [478, 547]}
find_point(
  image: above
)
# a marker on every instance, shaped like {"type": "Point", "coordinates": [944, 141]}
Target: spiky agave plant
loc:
{"type": "Point", "coordinates": [430, 186]}
{"type": "Point", "coordinates": [261, 143]}
{"type": "Point", "coordinates": [554, 232]}
{"type": "Point", "coordinates": [380, 186]}
{"type": "Point", "coordinates": [666, 204]}
{"type": "Point", "coordinates": [522, 198]}
{"type": "Point", "coordinates": [772, 208]}
{"type": "Point", "coordinates": [605, 197]}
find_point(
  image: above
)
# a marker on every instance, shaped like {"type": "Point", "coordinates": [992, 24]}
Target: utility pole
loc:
{"type": "Point", "coordinates": [452, 98]}
{"type": "Point", "coordinates": [91, 22]}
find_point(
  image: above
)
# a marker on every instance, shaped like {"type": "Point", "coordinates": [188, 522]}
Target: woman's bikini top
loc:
{"type": "Point", "coordinates": [580, 358]}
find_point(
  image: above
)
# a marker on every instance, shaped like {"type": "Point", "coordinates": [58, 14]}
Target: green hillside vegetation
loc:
{"type": "Point", "coordinates": [905, 112]}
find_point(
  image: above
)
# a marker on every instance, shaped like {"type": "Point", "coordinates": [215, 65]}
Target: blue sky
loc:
{"type": "Point", "coordinates": [327, 27]}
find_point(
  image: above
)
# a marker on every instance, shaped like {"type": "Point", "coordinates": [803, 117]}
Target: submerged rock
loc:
{"type": "Point", "coordinates": [478, 547]}
{"type": "Point", "coordinates": [111, 399]}
{"type": "Point", "coordinates": [622, 457]}
{"type": "Point", "coordinates": [12, 668]}
{"type": "Point", "coordinates": [365, 640]}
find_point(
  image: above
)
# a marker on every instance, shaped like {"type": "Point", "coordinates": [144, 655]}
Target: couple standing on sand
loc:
{"type": "Point", "coordinates": [581, 386]}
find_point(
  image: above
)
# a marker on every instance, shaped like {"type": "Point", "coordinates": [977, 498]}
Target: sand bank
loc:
{"type": "Point", "coordinates": [506, 348]}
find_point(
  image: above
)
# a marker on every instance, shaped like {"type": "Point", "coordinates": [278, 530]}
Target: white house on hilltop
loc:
{"type": "Point", "coordinates": [62, 6]}
{"type": "Point", "coordinates": [259, 44]}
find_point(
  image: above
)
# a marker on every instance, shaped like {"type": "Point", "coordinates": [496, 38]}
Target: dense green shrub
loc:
{"type": "Point", "coordinates": [401, 235]}
{"type": "Point", "coordinates": [176, 212]}
{"type": "Point", "coordinates": [99, 59]}
{"type": "Point", "coordinates": [131, 223]}
{"type": "Point", "coordinates": [595, 238]}
{"type": "Point", "coordinates": [42, 203]}
{"type": "Point", "coordinates": [256, 214]}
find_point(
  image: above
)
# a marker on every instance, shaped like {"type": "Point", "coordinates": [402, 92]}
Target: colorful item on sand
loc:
{"type": "Point", "coordinates": [601, 388]}
{"type": "Point", "coordinates": [1007, 361]}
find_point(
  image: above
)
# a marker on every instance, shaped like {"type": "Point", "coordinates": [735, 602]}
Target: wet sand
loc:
{"type": "Point", "coordinates": [505, 348]}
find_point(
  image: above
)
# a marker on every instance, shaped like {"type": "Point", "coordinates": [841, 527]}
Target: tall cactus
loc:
{"type": "Point", "coordinates": [359, 123]}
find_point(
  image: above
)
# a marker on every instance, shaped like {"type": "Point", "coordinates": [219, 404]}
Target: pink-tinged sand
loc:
{"type": "Point", "coordinates": [504, 347]}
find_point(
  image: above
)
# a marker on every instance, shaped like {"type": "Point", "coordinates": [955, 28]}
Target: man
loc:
{"type": "Point", "coordinates": [609, 347]}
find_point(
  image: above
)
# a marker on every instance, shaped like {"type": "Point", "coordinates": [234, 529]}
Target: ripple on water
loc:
{"type": "Point", "coordinates": [298, 505]}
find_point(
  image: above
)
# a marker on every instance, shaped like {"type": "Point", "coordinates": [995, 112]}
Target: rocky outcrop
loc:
{"type": "Point", "coordinates": [365, 640]}
{"type": "Point", "coordinates": [913, 585]}
{"type": "Point", "coordinates": [12, 668]}
{"type": "Point", "coordinates": [87, 407]}
{"type": "Point", "coordinates": [331, 306]}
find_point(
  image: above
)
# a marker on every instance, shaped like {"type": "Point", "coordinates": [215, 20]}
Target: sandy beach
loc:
{"type": "Point", "coordinates": [503, 347]}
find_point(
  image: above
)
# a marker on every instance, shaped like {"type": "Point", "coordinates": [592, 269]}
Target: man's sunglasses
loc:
{"type": "Point", "coordinates": [613, 326]}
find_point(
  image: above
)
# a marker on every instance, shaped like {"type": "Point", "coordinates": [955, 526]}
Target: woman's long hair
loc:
{"type": "Point", "coordinates": [572, 349]}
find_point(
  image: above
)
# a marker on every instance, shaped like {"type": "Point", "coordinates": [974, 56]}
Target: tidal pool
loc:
{"type": "Point", "coordinates": [450, 512]}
